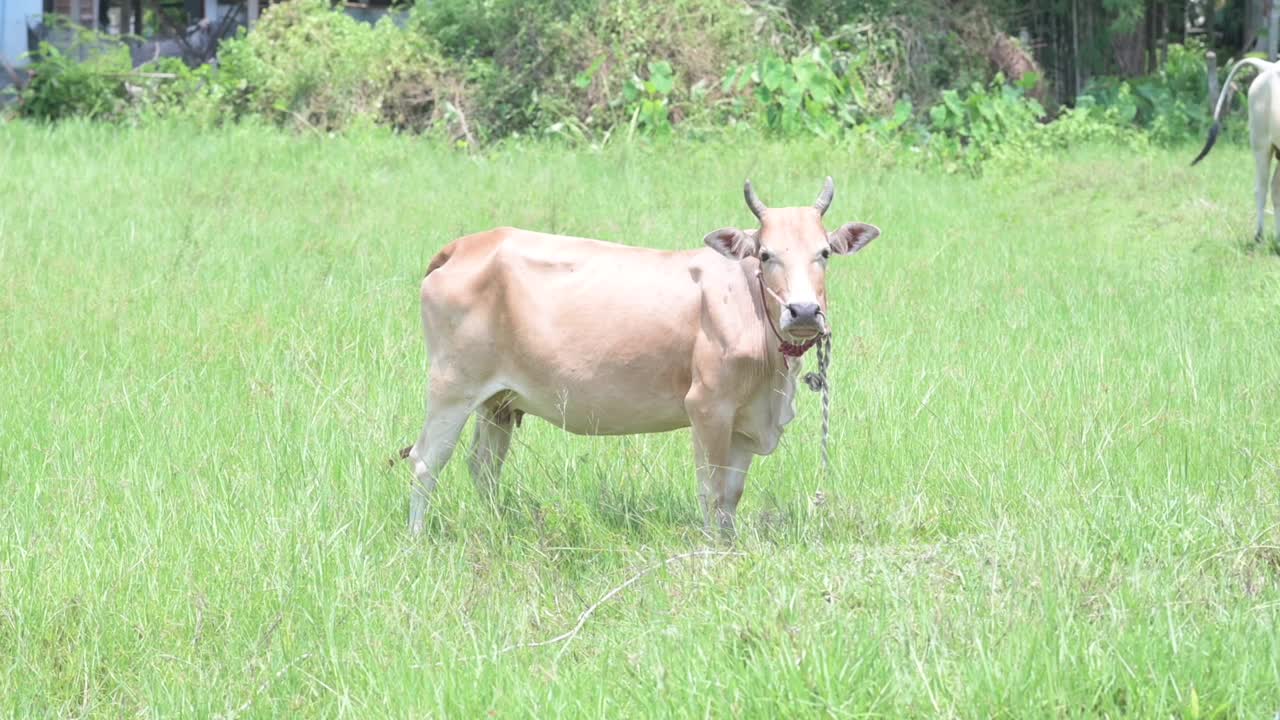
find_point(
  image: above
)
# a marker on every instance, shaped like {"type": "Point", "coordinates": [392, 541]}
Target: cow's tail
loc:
{"type": "Point", "coordinates": [441, 258]}
{"type": "Point", "coordinates": [1221, 106]}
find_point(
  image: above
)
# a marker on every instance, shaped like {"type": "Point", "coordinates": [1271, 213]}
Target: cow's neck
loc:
{"type": "Point", "coordinates": [773, 402]}
{"type": "Point", "coordinates": [782, 369]}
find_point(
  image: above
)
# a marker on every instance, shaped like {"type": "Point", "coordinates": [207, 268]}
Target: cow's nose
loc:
{"type": "Point", "coordinates": [804, 312]}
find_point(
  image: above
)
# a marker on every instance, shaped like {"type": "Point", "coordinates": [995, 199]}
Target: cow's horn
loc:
{"type": "Point", "coordinates": [824, 199]}
{"type": "Point", "coordinates": [757, 208]}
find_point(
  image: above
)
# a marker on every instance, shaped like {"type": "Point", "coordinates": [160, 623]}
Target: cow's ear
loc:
{"type": "Point", "coordinates": [852, 237]}
{"type": "Point", "coordinates": [732, 242]}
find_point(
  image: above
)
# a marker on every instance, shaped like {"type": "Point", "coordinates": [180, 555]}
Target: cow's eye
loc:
{"type": "Point", "coordinates": [826, 253]}
{"type": "Point", "coordinates": [766, 256]}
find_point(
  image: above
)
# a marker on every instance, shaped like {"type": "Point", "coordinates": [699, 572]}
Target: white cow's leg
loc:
{"type": "Point", "coordinates": [1262, 161]}
{"type": "Point", "coordinates": [446, 417]}
{"type": "Point", "coordinates": [1275, 198]}
{"type": "Point", "coordinates": [489, 445]}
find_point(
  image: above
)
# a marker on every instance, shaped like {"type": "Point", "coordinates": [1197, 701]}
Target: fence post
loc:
{"type": "Point", "coordinates": [1211, 72]}
{"type": "Point", "coordinates": [251, 13]}
{"type": "Point", "coordinates": [1273, 31]}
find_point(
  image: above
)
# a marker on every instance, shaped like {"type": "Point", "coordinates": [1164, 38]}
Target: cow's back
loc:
{"type": "Point", "coordinates": [594, 336]}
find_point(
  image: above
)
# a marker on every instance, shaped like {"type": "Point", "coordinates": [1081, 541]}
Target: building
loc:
{"type": "Point", "coordinates": [13, 29]}
{"type": "Point", "coordinates": [22, 22]}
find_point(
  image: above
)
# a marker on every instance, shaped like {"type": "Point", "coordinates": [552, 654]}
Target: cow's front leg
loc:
{"type": "Point", "coordinates": [722, 463]}
{"type": "Point", "coordinates": [733, 479]}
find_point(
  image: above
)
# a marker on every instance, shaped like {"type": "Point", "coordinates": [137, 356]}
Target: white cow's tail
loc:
{"type": "Point", "coordinates": [1261, 66]}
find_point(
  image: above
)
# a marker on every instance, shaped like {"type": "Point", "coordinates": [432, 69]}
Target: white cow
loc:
{"type": "Point", "coordinates": [1264, 131]}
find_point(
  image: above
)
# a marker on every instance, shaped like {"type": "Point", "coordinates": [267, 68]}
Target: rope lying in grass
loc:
{"type": "Point", "coordinates": [571, 633]}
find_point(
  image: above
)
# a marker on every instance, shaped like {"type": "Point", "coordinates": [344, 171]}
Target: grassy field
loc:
{"type": "Point", "coordinates": [1056, 441]}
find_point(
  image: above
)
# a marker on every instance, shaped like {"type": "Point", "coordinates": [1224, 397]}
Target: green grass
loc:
{"type": "Point", "coordinates": [1056, 436]}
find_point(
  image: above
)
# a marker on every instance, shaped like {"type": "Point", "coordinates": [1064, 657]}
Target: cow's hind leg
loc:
{"type": "Point", "coordinates": [1275, 193]}
{"type": "Point", "coordinates": [495, 421]}
{"type": "Point", "coordinates": [1262, 162]}
{"type": "Point", "coordinates": [446, 415]}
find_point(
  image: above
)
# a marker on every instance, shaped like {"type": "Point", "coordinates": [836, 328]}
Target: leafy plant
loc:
{"type": "Point", "coordinates": [649, 98]}
{"type": "Point", "coordinates": [309, 65]}
{"type": "Point", "coordinates": [62, 86]}
{"type": "Point", "coordinates": [817, 92]}
{"type": "Point", "coordinates": [969, 129]}
{"type": "Point", "coordinates": [1169, 104]}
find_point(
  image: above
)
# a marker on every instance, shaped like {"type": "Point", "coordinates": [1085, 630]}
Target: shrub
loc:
{"type": "Point", "coordinates": [819, 91]}
{"type": "Point", "coordinates": [968, 129]}
{"type": "Point", "coordinates": [310, 66]}
{"type": "Point", "coordinates": [591, 65]}
{"type": "Point", "coordinates": [1169, 104]}
{"type": "Point", "coordinates": [62, 87]}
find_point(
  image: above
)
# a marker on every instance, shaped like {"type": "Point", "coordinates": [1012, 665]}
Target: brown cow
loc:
{"type": "Point", "coordinates": [606, 339]}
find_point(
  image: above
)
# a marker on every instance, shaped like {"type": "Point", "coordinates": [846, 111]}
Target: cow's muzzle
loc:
{"type": "Point", "coordinates": [803, 320]}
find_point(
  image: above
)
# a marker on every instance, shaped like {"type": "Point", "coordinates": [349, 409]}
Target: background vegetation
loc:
{"type": "Point", "coordinates": [1055, 444]}
{"type": "Point", "coordinates": [964, 82]}
{"type": "Point", "coordinates": [1057, 382]}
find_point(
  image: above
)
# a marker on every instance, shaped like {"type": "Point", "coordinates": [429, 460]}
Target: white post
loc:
{"type": "Point", "coordinates": [251, 9]}
{"type": "Point", "coordinates": [76, 16]}
{"type": "Point", "coordinates": [211, 10]}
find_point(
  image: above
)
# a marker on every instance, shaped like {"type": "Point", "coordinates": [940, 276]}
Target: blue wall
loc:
{"type": "Point", "coordinates": [13, 27]}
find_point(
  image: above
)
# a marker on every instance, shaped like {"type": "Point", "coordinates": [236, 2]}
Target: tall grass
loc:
{"type": "Point", "coordinates": [1055, 445]}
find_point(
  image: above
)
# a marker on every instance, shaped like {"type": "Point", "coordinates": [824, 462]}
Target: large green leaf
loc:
{"type": "Point", "coordinates": [773, 72]}
{"type": "Point", "coordinates": [660, 75]}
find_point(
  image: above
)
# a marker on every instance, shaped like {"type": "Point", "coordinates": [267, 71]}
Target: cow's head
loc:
{"type": "Point", "coordinates": [791, 249]}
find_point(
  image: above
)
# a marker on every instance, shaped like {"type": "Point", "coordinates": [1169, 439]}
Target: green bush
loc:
{"type": "Point", "coordinates": [968, 129]}
{"type": "Point", "coordinates": [173, 89]}
{"type": "Point", "coordinates": [590, 70]}
{"type": "Point", "coordinates": [1170, 104]}
{"type": "Point", "coordinates": [308, 65]}
{"type": "Point", "coordinates": [650, 97]}
{"type": "Point", "coordinates": [584, 66]}
{"type": "Point", "coordinates": [63, 87]}
{"type": "Point", "coordinates": [817, 92]}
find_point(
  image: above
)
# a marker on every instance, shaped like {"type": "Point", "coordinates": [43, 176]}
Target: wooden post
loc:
{"type": "Point", "coordinates": [1211, 71]}
{"type": "Point", "coordinates": [76, 12]}
{"type": "Point", "coordinates": [1162, 33]}
{"type": "Point", "coordinates": [1208, 26]}
{"type": "Point", "coordinates": [1254, 19]}
{"type": "Point", "coordinates": [1075, 50]}
{"type": "Point", "coordinates": [1273, 31]}
{"type": "Point", "coordinates": [251, 12]}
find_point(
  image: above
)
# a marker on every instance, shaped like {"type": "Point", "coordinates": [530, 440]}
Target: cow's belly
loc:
{"type": "Point", "coordinates": [603, 410]}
